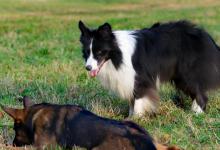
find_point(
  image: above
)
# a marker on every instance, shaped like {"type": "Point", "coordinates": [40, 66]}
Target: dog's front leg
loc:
{"type": "Point", "coordinates": [131, 108]}
{"type": "Point", "coordinates": [147, 102]}
{"type": "Point", "coordinates": [47, 147]}
{"type": "Point", "coordinates": [39, 147]}
{"type": "Point", "coordinates": [43, 141]}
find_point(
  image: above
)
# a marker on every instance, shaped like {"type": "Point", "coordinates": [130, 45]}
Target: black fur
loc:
{"type": "Point", "coordinates": [178, 52]}
{"type": "Point", "coordinates": [105, 46]}
{"type": "Point", "coordinates": [70, 125]}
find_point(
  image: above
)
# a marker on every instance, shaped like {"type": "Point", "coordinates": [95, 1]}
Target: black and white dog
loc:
{"type": "Point", "coordinates": [134, 63]}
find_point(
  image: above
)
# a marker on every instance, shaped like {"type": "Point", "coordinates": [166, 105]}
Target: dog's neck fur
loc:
{"type": "Point", "coordinates": [121, 79]}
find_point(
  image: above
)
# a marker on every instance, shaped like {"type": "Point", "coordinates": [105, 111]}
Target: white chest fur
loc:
{"type": "Point", "coordinates": [121, 81]}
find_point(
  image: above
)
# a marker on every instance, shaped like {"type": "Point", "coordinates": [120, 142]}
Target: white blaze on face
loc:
{"type": "Point", "coordinates": [91, 61]}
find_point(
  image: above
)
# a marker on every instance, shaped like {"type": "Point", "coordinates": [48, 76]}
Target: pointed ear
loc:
{"type": "Point", "coordinates": [84, 30]}
{"type": "Point", "coordinates": [105, 30]}
{"type": "Point", "coordinates": [27, 102]}
{"type": "Point", "coordinates": [16, 114]}
{"type": "Point", "coordinates": [106, 26]}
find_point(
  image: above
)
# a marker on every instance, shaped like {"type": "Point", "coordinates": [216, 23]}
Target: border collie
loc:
{"type": "Point", "coordinates": [134, 63]}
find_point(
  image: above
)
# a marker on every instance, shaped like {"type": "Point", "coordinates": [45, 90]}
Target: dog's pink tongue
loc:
{"type": "Point", "coordinates": [93, 73]}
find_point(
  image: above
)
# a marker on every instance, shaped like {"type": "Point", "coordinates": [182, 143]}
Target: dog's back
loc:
{"type": "Point", "coordinates": [70, 125]}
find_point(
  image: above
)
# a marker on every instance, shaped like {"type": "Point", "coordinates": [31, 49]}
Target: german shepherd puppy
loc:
{"type": "Point", "coordinates": [44, 125]}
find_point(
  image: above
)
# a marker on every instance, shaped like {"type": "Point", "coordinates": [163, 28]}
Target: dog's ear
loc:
{"type": "Point", "coordinates": [16, 114]}
{"type": "Point", "coordinates": [105, 30]}
{"type": "Point", "coordinates": [27, 102]}
{"type": "Point", "coordinates": [105, 27]}
{"type": "Point", "coordinates": [84, 30]}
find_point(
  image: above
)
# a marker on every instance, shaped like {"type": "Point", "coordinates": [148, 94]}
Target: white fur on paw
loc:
{"type": "Point", "coordinates": [143, 105]}
{"type": "Point", "coordinates": [196, 108]}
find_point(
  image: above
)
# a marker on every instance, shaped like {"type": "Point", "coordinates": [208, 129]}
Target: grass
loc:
{"type": "Point", "coordinates": [40, 56]}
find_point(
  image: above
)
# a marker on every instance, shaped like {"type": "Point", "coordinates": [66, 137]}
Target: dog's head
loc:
{"type": "Point", "coordinates": [98, 46]}
{"type": "Point", "coordinates": [23, 131]}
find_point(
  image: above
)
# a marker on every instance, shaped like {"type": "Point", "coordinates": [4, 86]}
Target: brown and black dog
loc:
{"type": "Point", "coordinates": [46, 124]}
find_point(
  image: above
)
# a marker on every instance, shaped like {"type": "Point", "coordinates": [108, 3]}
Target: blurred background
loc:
{"type": "Point", "coordinates": [40, 56]}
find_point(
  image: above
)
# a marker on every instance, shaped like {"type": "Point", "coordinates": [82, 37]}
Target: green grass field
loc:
{"type": "Point", "coordinates": [40, 56]}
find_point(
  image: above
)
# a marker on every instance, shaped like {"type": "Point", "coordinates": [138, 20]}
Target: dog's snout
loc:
{"type": "Point", "coordinates": [89, 67]}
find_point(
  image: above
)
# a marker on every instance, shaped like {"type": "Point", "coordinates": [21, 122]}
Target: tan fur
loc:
{"type": "Point", "coordinates": [35, 116]}
{"type": "Point", "coordinates": [43, 118]}
{"type": "Point", "coordinates": [53, 124]}
{"type": "Point", "coordinates": [123, 143]}
{"type": "Point", "coordinates": [164, 147]}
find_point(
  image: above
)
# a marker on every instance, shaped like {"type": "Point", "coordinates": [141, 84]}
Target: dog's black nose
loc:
{"type": "Point", "coordinates": [89, 67]}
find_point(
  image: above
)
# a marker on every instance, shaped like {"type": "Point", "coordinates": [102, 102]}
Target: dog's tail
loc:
{"type": "Point", "coordinates": [164, 147]}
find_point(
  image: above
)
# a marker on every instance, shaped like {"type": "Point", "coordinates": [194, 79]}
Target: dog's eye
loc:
{"type": "Point", "coordinates": [99, 52]}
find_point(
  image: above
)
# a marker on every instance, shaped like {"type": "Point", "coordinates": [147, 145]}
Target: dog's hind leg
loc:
{"type": "Point", "coordinates": [199, 103]}
{"type": "Point", "coordinates": [197, 95]}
